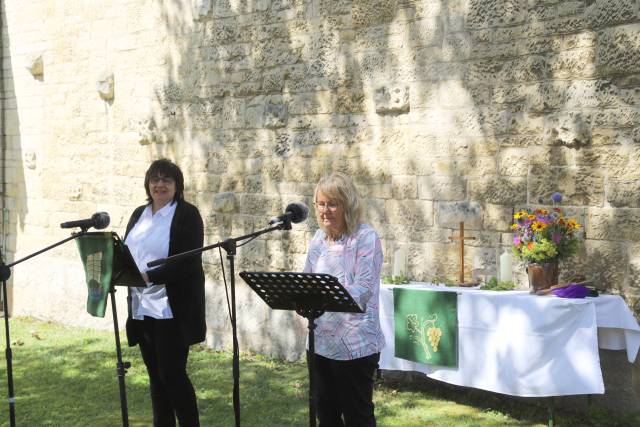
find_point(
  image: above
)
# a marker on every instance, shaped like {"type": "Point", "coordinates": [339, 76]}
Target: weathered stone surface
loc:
{"type": "Point", "coordinates": [500, 191]}
{"type": "Point", "coordinates": [415, 213]}
{"type": "Point", "coordinates": [224, 202]}
{"type": "Point", "coordinates": [613, 224]}
{"type": "Point", "coordinates": [617, 52]}
{"type": "Point", "coordinates": [513, 162]}
{"type": "Point", "coordinates": [438, 187]}
{"type": "Point", "coordinates": [601, 261]}
{"type": "Point", "coordinates": [495, 13]}
{"type": "Point", "coordinates": [570, 130]}
{"type": "Point", "coordinates": [373, 12]}
{"type": "Point", "coordinates": [450, 214]}
{"type": "Point", "coordinates": [608, 13]}
{"type": "Point", "coordinates": [623, 194]}
{"type": "Point", "coordinates": [497, 217]}
{"type": "Point", "coordinates": [579, 185]}
{"type": "Point", "coordinates": [404, 187]}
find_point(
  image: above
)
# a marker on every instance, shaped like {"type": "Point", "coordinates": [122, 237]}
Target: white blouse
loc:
{"type": "Point", "coordinates": [148, 241]}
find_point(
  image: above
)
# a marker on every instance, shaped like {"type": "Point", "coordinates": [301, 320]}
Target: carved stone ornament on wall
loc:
{"type": "Point", "coordinates": [29, 158]}
{"type": "Point", "coordinates": [105, 85]}
{"type": "Point", "coordinates": [392, 99]}
{"type": "Point", "coordinates": [35, 65]}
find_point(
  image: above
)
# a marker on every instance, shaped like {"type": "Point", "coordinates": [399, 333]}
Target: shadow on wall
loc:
{"type": "Point", "coordinates": [443, 111]}
{"type": "Point", "coordinates": [15, 159]}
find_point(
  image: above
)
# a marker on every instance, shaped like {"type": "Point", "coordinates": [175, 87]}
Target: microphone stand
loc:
{"type": "Point", "coordinates": [5, 273]}
{"type": "Point", "coordinates": [230, 245]}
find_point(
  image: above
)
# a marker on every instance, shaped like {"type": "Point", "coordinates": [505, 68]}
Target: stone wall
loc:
{"type": "Point", "coordinates": [442, 111]}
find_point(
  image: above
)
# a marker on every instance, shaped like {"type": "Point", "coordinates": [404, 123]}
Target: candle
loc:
{"type": "Point", "coordinates": [400, 262]}
{"type": "Point", "coordinates": [506, 272]}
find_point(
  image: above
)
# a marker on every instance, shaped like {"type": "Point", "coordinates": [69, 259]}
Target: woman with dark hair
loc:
{"type": "Point", "coordinates": [347, 345]}
{"type": "Point", "coordinates": [167, 316]}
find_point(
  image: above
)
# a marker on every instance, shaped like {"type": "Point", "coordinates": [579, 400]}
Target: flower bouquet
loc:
{"type": "Point", "coordinates": [542, 237]}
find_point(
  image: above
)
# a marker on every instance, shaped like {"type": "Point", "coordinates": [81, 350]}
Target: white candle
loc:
{"type": "Point", "coordinates": [506, 272]}
{"type": "Point", "coordinates": [400, 262]}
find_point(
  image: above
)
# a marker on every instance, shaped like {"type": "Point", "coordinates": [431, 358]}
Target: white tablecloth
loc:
{"type": "Point", "coordinates": [525, 345]}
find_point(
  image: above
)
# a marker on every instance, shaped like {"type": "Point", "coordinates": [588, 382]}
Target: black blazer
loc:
{"type": "Point", "coordinates": [184, 279]}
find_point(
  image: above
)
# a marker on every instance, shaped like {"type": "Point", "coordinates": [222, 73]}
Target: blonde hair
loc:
{"type": "Point", "coordinates": [340, 187]}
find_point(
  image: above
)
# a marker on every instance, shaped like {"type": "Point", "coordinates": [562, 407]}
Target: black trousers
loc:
{"type": "Point", "coordinates": [165, 356]}
{"type": "Point", "coordinates": [345, 391]}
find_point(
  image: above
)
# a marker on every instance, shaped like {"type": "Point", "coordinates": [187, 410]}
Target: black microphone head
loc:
{"type": "Point", "coordinates": [299, 212]}
{"type": "Point", "coordinates": [100, 220]}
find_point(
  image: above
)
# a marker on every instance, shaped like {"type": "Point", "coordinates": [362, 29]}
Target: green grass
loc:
{"type": "Point", "coordinates": [66, 377]}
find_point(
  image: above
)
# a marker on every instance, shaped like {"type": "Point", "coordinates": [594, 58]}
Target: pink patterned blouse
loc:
{"type": "Point", "coordinates": [356, 261]}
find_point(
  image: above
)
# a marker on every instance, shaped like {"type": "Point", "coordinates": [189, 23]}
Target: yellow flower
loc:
{"type": "Point", "coordinates": [538, 226]}
{"type": "Point", "coordinates": [572, 223]}
{"type": "Point", "coordinates": [514, 226]}
{"type": "Point", "coordinates": [532, 217]}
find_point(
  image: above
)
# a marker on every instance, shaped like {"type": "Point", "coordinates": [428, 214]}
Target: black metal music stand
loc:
{"type": "Point", "coordinates": [5, 274]}
{"type": "Point", "coordinates": [308, 294]}
{"type": "Point", "coordinates": [124, 273]}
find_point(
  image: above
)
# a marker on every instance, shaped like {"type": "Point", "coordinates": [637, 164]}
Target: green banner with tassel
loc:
{"type": "Point", "coordinates": [96, 251]}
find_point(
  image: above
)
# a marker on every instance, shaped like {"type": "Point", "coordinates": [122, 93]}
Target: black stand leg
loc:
{"type": "Point", "coordinates": [121, 367]}
{"type": "Point", "coordinates": [230, 247]}
{"type": "Point", "coordinates": [311, 316]}
{"type": "Point", "coordinates": [5, 308]}
{"type": "Point", "coordinates": [313, 399]}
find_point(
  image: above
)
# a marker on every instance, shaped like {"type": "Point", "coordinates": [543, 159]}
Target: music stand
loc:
{"type": "Point", "coordinates": [308, 294]}
{"type": "Point", "coordinates": [124, 273]}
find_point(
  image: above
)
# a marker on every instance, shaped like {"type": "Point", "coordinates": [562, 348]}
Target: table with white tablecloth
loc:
{"type": "Point", "coordinates": [525, 345]}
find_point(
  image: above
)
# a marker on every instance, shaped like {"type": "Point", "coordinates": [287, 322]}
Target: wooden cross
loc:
{"type": "Point", "coordinates": [462, 238]}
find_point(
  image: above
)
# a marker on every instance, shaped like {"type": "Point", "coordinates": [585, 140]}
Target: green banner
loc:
{"type": "Point", "coordinates": [96, 252]}
{"type": "Point", "coordinates": [426, 326]}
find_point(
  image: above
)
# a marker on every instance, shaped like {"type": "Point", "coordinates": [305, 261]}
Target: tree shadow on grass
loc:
{"type": "Point", "coordinates": [522, 411]}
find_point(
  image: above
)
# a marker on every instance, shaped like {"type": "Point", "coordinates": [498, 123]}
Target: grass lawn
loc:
{"type": "Point", "coordinates": [66, 377]}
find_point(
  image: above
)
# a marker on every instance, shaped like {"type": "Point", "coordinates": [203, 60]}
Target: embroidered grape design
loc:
{"type": "Point", "coordinates": [434, 335]}
{"type": "Point", "coordinates": [423, 330]}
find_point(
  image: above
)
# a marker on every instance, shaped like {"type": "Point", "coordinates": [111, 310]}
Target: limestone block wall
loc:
{"type": "Point", "coordinates": [442, 110]}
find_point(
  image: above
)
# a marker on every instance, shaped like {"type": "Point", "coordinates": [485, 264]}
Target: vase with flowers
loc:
{"type": "Point", "coordinates": [542, 238]}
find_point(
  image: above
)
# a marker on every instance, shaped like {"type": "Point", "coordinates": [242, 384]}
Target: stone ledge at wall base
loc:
{"type": "Point", "coordinates": [621, 381]}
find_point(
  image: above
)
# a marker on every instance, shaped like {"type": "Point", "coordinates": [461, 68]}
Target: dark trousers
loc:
{"type": "Point", "coordinates": [345, 391]}
{"type": "Point", "coordinates": [165, 357]}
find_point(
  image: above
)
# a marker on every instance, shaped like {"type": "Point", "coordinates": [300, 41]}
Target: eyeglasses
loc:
{"type": "Point", "coordinates": [163, 179]}
{"type": "Point", "coordinates": [331, 206]}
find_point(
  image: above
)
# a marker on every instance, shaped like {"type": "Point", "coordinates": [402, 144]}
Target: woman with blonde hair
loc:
{"type": "Point", "coordinates": [347, 345]}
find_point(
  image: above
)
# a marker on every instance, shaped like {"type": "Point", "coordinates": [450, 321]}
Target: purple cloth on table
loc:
{"type": "Point", "coordinates": [571, 291]}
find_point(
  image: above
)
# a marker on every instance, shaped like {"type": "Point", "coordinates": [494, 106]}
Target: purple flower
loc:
{"type": "Point", "coordinates": [556, 237]}
{"type": "Point", "coordinates": [516, 240]}
{"type": "Point", "coordinates": [556, 197]}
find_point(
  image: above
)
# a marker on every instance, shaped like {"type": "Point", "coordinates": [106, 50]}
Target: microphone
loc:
{"type": "Point", "coordinates": [98, 221]}
{"type": "Point", "coordinates": [294, 212]}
